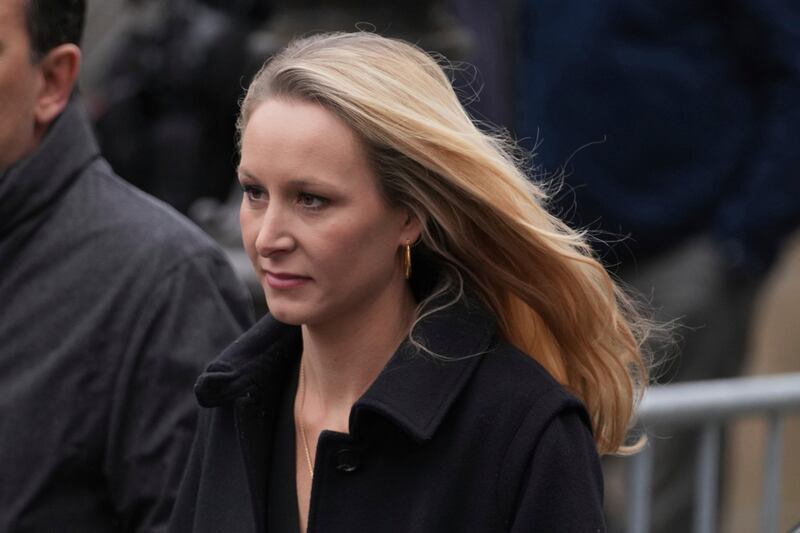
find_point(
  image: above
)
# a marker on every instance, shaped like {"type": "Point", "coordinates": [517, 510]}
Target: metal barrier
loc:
{"type": "Point", "coordinates": [709, 404]}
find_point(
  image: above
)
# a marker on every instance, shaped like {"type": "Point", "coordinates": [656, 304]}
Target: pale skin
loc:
{"type": "Point", "coordinates": [327, 249]}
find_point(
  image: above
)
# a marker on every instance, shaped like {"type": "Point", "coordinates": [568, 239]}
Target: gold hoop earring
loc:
{"type": "Point", "coordinates": [407, 259]}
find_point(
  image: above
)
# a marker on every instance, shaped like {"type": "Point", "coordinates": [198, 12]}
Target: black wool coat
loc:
{"type": "Point", "coordinates": [487, 441]}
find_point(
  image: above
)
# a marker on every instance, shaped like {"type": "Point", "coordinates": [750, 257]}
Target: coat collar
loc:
{"type": "Point", "coordinates": [34, 183]}
{"type": "Point", "coordinates": [414, 391]}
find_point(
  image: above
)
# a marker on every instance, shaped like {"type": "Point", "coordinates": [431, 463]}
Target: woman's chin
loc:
{"type": "Point", "coordinates": [288, 314]}
{"type": "Point", "coordinates": [287, 317]}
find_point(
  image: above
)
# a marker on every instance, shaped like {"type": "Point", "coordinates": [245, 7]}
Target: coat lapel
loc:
{"type": "Point", "coordinates": [417, 387]}
{"type": "Point", "coordinates": [251, 374]}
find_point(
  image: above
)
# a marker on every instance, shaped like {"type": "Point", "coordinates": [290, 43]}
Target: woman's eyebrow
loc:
{"type": "Point", "coordinates": [294, 182]}
{"type": "Point", "coordinates": [301, 183]}
{"type": "Point", "coordinates": [242, 171]}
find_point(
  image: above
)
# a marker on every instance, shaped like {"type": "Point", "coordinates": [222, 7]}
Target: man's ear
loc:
{"type": "Point", "coordinates": [59, 70]}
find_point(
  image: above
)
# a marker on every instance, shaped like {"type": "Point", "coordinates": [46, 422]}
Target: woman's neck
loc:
{"type": "Point", "coordinates": [342, 359]}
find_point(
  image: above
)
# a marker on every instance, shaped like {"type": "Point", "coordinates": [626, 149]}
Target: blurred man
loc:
{"type": "Point", "coordinates": [111, 305]}
{"type": "Point", "coordinates": [697, 105]}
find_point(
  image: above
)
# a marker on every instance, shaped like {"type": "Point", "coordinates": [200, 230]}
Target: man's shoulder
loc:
{"type": "Point", "coordinates": [129, 222]}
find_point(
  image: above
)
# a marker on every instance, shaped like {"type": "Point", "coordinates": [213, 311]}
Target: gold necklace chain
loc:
{"type": "Point", "coordinates": [299, 420]}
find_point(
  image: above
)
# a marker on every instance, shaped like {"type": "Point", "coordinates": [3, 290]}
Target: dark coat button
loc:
{"type": "Point", "coordinates": [347, 460]}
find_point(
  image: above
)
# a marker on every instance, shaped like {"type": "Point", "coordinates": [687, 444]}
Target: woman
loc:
{"type": "Point", "coordinates": [441, 354]}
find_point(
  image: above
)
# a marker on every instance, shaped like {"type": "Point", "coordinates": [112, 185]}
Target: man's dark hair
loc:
{"type": "Point", "coordinates": [54, 22]}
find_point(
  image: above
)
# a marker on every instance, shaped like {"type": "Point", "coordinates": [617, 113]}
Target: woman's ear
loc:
{"type": "Point", "coordinates": [59, 71]}
{"type": "Point", "coordinates": [412, 228]}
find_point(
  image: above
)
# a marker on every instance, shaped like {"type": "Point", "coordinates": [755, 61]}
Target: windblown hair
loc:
{"type": "Point", "coordinates": [484, 223]}
{"type": "Point", "coordinates": [54, 22]}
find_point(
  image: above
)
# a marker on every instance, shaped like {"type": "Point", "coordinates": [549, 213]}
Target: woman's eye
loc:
{"type": "Point", "coordinates": [254, 194]}
{"type": "Point", "coordinates": [311, 201]}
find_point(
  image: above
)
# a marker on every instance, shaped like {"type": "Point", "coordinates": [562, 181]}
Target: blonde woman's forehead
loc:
{"type": "Point", "coordinates": [299, 121]}
{"type": "Point", "coordinates": [300, 140]}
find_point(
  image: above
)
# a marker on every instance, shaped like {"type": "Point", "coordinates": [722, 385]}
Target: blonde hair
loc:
{"type": "Point", "coordinates": [484, 222]}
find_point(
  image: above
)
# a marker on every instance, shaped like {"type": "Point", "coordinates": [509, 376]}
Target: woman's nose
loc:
{"type": "Point", "coordinates": [274, 233]}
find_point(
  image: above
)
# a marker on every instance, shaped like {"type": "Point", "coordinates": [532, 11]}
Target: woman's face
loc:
{"type": "Point", "coordinates": [321, 238]}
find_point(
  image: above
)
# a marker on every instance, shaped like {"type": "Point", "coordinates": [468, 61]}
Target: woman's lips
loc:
{"type": "Point", "coordinates": [280, 280]}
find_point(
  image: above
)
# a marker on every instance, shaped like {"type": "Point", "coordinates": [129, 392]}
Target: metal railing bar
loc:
{"type": "Point", "coordinates": [773, 460]}
{"type": "Point", "coordinates": [707, 479]}
{"type": "Point", "coordinates": [639, 489]}
{"type": "Point", "coordinates": [695, 402]}
{"type": "Point", "coordinates": [710, 405]}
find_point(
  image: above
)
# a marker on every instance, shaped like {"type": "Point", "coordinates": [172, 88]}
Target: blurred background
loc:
{"type": "Point", "coordinates": [669, 129]}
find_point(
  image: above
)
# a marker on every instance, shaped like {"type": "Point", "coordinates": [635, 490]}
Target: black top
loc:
{"type": "Point", "coordinates": [282, 513]}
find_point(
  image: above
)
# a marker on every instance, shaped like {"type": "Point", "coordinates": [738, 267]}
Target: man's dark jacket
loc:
{"type": "Point", "coordinates": [486, 442]}
{"type": "Point", "coordinates": [698, 107]}
{"type": "Point", "coordinates": [111, 305]}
